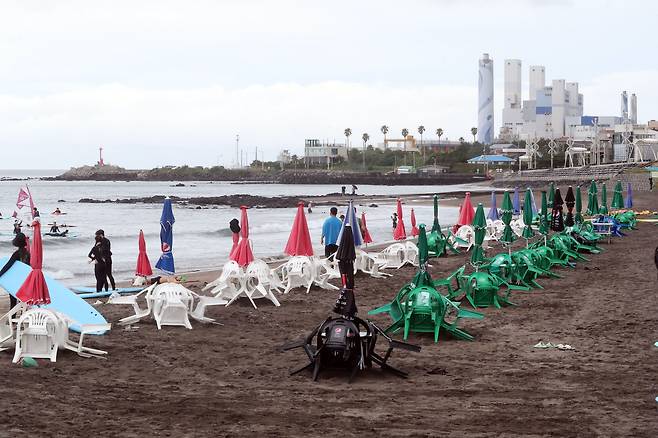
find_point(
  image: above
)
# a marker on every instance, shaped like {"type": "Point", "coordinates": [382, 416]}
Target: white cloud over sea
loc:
{"type": "Point", "coordinates": [172, 82]}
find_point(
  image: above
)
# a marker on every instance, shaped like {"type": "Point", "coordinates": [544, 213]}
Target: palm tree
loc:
{"type": "Point", "coordinates": [365, 137]}
{"type": "Point", "coordinates": [421, 129]}
{"type": "Point", "coordinates": [405, 132]}
{"type": "Point", "coordinates": [384, 130]}
{"type": "Point", "coordinates": [474, 132]}
{"type": "Point", "coordinates": [348, 132]}
{"type": "Point", "coordinates": [461, 139]}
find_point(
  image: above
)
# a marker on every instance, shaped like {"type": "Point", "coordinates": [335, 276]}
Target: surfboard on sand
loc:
{"type": "Point", "coordinates": [90, 292]}
{"type": "Point", "coordinates": [61, 298]}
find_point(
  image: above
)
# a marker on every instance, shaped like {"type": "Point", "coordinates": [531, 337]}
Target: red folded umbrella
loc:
{"type": "Point", "coordinates": [299, 242]}
{"type": "Point", "coordinates": [236, 239]}
{"type": "Point", "coordinates": [414, 228]}
{"type": "Point", "coordinates": [242, 254]}
{"type": "Point", "coordinates": [366, 234]}
{"type": "Point", "coordinates": [143, 264]}
{"type": "Point", "coordinates": [35, 290]}
{"type": "Point", "coordinates": [466, 212]}
{"type": "Point", "coordinates": [400, 233]}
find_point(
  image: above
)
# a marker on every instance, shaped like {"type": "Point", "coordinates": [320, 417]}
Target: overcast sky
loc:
{"type": "Point", "coordinates": [173, 82]}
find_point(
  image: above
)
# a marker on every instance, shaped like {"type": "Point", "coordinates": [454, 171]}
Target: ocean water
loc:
{"type": "Point", "coordinates": [201, 236]}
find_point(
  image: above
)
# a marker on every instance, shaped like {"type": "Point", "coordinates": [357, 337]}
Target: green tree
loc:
{"type": "Point", "coordinates": [474, 132]}
{"type": "Point", "coordinates": [365, 137]}
{"type": "Point", "coordinates": [348, 132]}
{"type": "Point", "coordinates": [405, 132]}
{"type": "Point", "coordinates": [421, 130]}
{"type": "Point", "coordinates": [384, 130]}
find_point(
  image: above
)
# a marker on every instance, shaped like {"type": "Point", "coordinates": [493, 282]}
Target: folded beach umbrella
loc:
{"type": "Point", "coordinates": [527, 215]}
{"type": "Point", "coordinates": [299, 241]}
{"type": "Point", "coordinates": [534, 205]}
{"type": "Point", "coordinates": [422, 277]}
{"type": "Point", "coordinates": [243, 254]}
{"type": "Point", "coordinates": [592, 199]}
{"type": "Point", "coordinates": [570, 200]}
{"type": "Point", "coordinates": [399, 233]}
{"type": "Point", "coordinates": [557, 221]}
{"type": "Point", "coordinates": [366, 234]}
{"type": "Point", "coordinates": [435, 224]}
{"type": "Point", "coordinates": [351, 220]}
{"type": "Point", "coordinates": [346, 254]}
{"type": "Point", "coordinates": [603, 209]}
{"type": "Point", "coordinates": [143, 268]}
{"type": "Point", "coordinates": [34, 289]}
{"type": "Point", "coordinates": [617, 197]}
{"type": "Point", "coordinates": [480, 226]}
{"type": "Point", "coordinates": [414, 228]}
{"type": "Point", "coordinates": [579, 207]}
{"type": "Point", "coordinates": [551, 193]}
{"type": "Point", "coordinates": [516, 202]}
{"type": "Point", "coordinates": [466, 212]}
{"type": "Point", "coordinates": [493, 211]}
{"type": "Point", "coordinates": [234, 226]}
{"type": "Point", "coordinates": [628, 203]}
{"type": "Point", "coordinates": [544, 223]}
{"type": "Point", "coordinates": [166, 261]}
{"type": "Point", "coordinates": [507, 210]}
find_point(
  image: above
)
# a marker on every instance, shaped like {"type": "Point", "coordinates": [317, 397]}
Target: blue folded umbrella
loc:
{"type": "Point", "coordinates": [350, 218]}
{"type": "Point", "coordinates": [628, 202]}
{"type": "Point", "coordinates": [166, 261]}
{"type": "Point", "coordinates": [493, 211]}
{"type": "Point", "coordinates": [516, 202]}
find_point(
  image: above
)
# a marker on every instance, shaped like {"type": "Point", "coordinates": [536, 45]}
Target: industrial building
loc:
{"type": "Point", "coordinates": [485, 133]}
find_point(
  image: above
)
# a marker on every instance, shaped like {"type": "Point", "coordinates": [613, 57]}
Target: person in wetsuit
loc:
{"type": "Point", "coordinates": [107, 256]}
{"type": "Point", "coordinates": [96, 255]}
{"type": "Point", "coordinates": [17, 227]}
{"type": "Point", "coordinates": [54, 228]}
{"type": "Point", "coordinates": [20, 255]}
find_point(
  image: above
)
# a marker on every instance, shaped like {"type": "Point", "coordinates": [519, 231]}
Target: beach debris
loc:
{"type": "Point", "coordinates": [98, 302]}
{"type": "Point", "coordinates": [547, 345]}
{"type": "Point", "coordinates": [130, 328]}
{"type": "Point", "coordinates": [28, 362]}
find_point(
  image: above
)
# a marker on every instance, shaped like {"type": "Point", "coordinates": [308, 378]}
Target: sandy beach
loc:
{"type": "Point", "coordinates": [232, 379]}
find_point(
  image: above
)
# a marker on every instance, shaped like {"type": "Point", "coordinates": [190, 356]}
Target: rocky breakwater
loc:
{"type": "Point", "coordinates": [207, 201]}
{"type": "Point", "coordinates": [106, 172]}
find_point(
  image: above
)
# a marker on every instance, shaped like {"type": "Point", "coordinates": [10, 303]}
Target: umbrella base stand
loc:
{"type": "Point", "coordinates": [346, 303]}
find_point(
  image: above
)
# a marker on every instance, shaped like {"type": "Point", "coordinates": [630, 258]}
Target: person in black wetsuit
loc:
{"type": "Point", "coordinates": [107, 256]}
{"type": "Point", "coordinates": [96, 255]}
{"type": "Point", "coordinates": [20, 255]}
{"type": "Point", "coordinates": [54, 228]}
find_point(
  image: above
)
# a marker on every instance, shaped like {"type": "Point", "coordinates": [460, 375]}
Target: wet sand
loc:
{"type": "Point", "coordinates": [232, 380]}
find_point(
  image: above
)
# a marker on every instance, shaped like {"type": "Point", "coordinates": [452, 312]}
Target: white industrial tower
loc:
{"type": "Point", "coordinates": [485, 100]}
{"type": "Point", "coordinates": [536, 80]}
{"type": "Point", "coordinates": [624, 106]}
{"type": "Point", "coordinates": [633, 109]}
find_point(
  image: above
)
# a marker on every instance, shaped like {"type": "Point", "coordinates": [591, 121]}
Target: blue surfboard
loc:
{"type": "Point", "coordinates": [61, 298]}
{"type": "Point", "coordinates": [121, 290]}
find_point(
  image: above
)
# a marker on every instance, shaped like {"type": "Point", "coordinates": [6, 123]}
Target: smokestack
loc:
{"type": "Point", "coordinates": [634, 109]}
{"type": "Point", "coordinates": [485, 100]}
{"type": "Point", "coordinates": [624, 106]}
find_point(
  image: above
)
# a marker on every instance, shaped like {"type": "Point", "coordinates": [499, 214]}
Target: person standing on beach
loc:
{"type": "Point", "coordinates": [96, 256]}
{"type": "Point", "coordinates": [107, 257]}
{"type": "Point", "coordinates": [394, 218]}
{"type": "Point", "coordinates": [22, 254]}
{"type": "Point", "coordinates": [310, 208]}
{"type": "Point", "coordinates": [330, 231]}
{"type": "Point", "coordinates": [35, 213]}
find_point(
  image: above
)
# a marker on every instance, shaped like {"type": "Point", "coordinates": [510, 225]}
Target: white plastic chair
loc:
{"type": "Point", "coordinates": [261, 281]}
{"type": "Point", "coordinates": [84, 329]}
{"type": "Point", "coordinates": [38, 335]}
{"type": "Point", "coordinates": [172, 303]}
{"type": "Point", "coordinates": [467, 235]}
{"type": "Point", "coordinates": [393, 256]}
{"type": "Point", "coordinates": [367, 263]}
{"type": "Point", "coordinates": [229, 283]}
{"type": "Point", "coordinates": [411, 255]}
{"type": "Point", "coordinates": [297, 272]}
{"type": "Point", "coordinates": [517, 226]}
{"type": "Point", "coordinates": [324, 271]}
{"type": "Point", "coordinates": [131, 300]}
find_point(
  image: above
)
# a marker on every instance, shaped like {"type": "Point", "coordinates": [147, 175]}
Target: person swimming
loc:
{"type": "Point", "coordinates": [54, 228]}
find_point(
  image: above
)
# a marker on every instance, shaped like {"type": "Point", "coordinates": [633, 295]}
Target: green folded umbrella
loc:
{"type": "Point", "coordinates": [435, 225]}
{"type": "Point", "coordinates": [617, 197]}
{"type": "Point", "coordinates": [592, 200]}
{"type": "Point", "coordinates": [479, 225]}
{"type": "Point", "coordinates": [422, 277]}
{"type": "Point", "coordinates": [527, 215]}
{"type": "Point", "coordinates": [507, 210]}
{"type": "Point", "coordinates": [544, 225]}
{"type": "Point", "coordinates": [578, 218]}
{"type": "Point", "coordinates": [603, 209]}
{"type": "Point", "coordinates": [551, 193]}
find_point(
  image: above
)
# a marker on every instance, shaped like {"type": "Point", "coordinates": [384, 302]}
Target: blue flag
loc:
{"type": "Point", "coordinates": [166, 261]}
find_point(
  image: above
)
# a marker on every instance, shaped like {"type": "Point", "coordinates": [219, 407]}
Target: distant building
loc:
{"type": "Point", "coordinates": [490, 160]}
{"type": "Point", "coordinates": [317, 152]}
{"type": "Point", "coordinates": [284, 157]}
{"type": "Point", "coordinates": [408, 144]}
